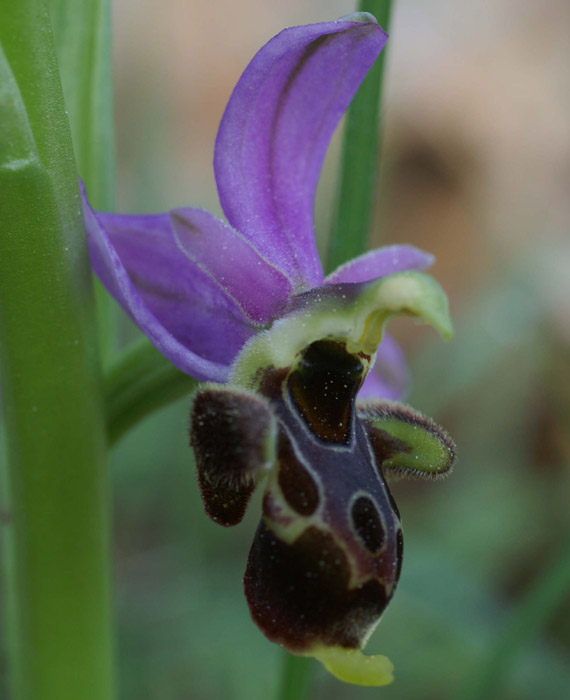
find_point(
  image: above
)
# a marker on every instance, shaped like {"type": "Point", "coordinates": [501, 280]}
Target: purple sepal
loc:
{"type": "Point", "coordinates": [184, 313]}
{"type": "Point", "coordinates": [390, 377]}
{"type": "Point", "coordinates": [275, 131]}
{"type": "Point", "coordinates": [381, 262]}
{"type": "Point", "coordinates": [230, 260]}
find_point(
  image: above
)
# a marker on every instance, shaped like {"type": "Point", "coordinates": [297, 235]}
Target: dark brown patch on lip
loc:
{"type": "Point", "coordinates": [323, 387]}
{"type": "Point", "coordinates": [298, 593]}
{"type": "Point", "coordinates": [270, 382]}
{"type": "Point", "coordinates": [297, 485]}
{"type": "Point", "coordinates": [367, 523]}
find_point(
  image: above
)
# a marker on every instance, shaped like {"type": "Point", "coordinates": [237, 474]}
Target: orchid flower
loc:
{"type": "Point", "coordinates": [244, 306]}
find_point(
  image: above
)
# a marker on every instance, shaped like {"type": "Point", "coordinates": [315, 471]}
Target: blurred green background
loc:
{"type": "Point", "coordinates": [476, 169]}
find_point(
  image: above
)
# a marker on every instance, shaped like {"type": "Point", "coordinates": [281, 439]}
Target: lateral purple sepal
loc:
{"type": "Point", "coordinates": [390, 377]}
{"type": "Point", "coordinates": [381, 262]}
{"type": "Point", "coordinates": [274, 133]}
{"type": "Point", "coordinates": [182, 311]}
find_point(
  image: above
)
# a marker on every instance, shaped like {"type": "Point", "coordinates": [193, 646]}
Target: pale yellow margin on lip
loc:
{"type": "Point", "coordinates": [358, 321]}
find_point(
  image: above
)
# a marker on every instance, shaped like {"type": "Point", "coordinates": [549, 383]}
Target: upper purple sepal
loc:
{"type": "Point", "coordinates": [275, 131]}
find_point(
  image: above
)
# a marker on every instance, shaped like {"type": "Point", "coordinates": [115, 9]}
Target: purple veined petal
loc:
{"type": "Point", "coordinates": [182, 311]}
{"type": "Point", "coordinates": [381, 262]}
{"type": "Point", "coordinates": [390, 377]}
{"type": "Point", "coordinates": [231, 261]}
{"type": "Point", "coordinates": [275, 131]}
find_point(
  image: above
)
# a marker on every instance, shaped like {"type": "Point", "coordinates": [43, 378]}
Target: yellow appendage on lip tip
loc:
{"type": "Point", "coordinates": [352, 666]}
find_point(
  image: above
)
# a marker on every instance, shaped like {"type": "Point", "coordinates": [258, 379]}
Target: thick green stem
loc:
{"type": "Point", "coordinates": [58, 570]}
{"type": "Point", "coordinates": [359, 161]}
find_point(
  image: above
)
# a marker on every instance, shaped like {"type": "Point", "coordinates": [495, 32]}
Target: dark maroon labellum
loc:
{"type": "Point", "coordinates": [327, 554]}
{"type": "Point", "coordinates": [324, 562]}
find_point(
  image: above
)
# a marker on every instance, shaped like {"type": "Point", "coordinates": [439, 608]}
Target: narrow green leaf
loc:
{"type": "Point", "coordinates": [297, 677]}
{"type": "Point", "coordinates": [140, 382]}
{"type": "Point", "coordinates": [359, 159]}
{"type": "Point", "coordinates": [82, 31]}
{"type": "Point", "coordinates": [57, 593]}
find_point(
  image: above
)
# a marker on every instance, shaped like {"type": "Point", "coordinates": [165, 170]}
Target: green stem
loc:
{"type": "Point", "coordinates": [141, 381]}
{"type": "Point", "coordinates": [532, 614]}
{"type": "Point", "coordinates": [82, 31]}
{"type": "Point", "coordinates": [58, 589]}
{"type": "Point", "coordinates": [359, 159]}
{"type": "Point", "coordinates": [297, 677]}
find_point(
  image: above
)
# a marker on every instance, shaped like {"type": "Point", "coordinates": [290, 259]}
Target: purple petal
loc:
{"type": "Point", "coordinates": [381, 262]}
{"type": "Point", "coordinates": [231, 261]}
{"type": "Point", "coordinates": [182, 311]}
{"type": "Point", "coordinates": [275, 130]}
{"type": "Point", "coordinates": [389, 378]}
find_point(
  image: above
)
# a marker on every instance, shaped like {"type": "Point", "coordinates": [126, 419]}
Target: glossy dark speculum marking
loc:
{"type": "Point", "coordinates": [323, 388]}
